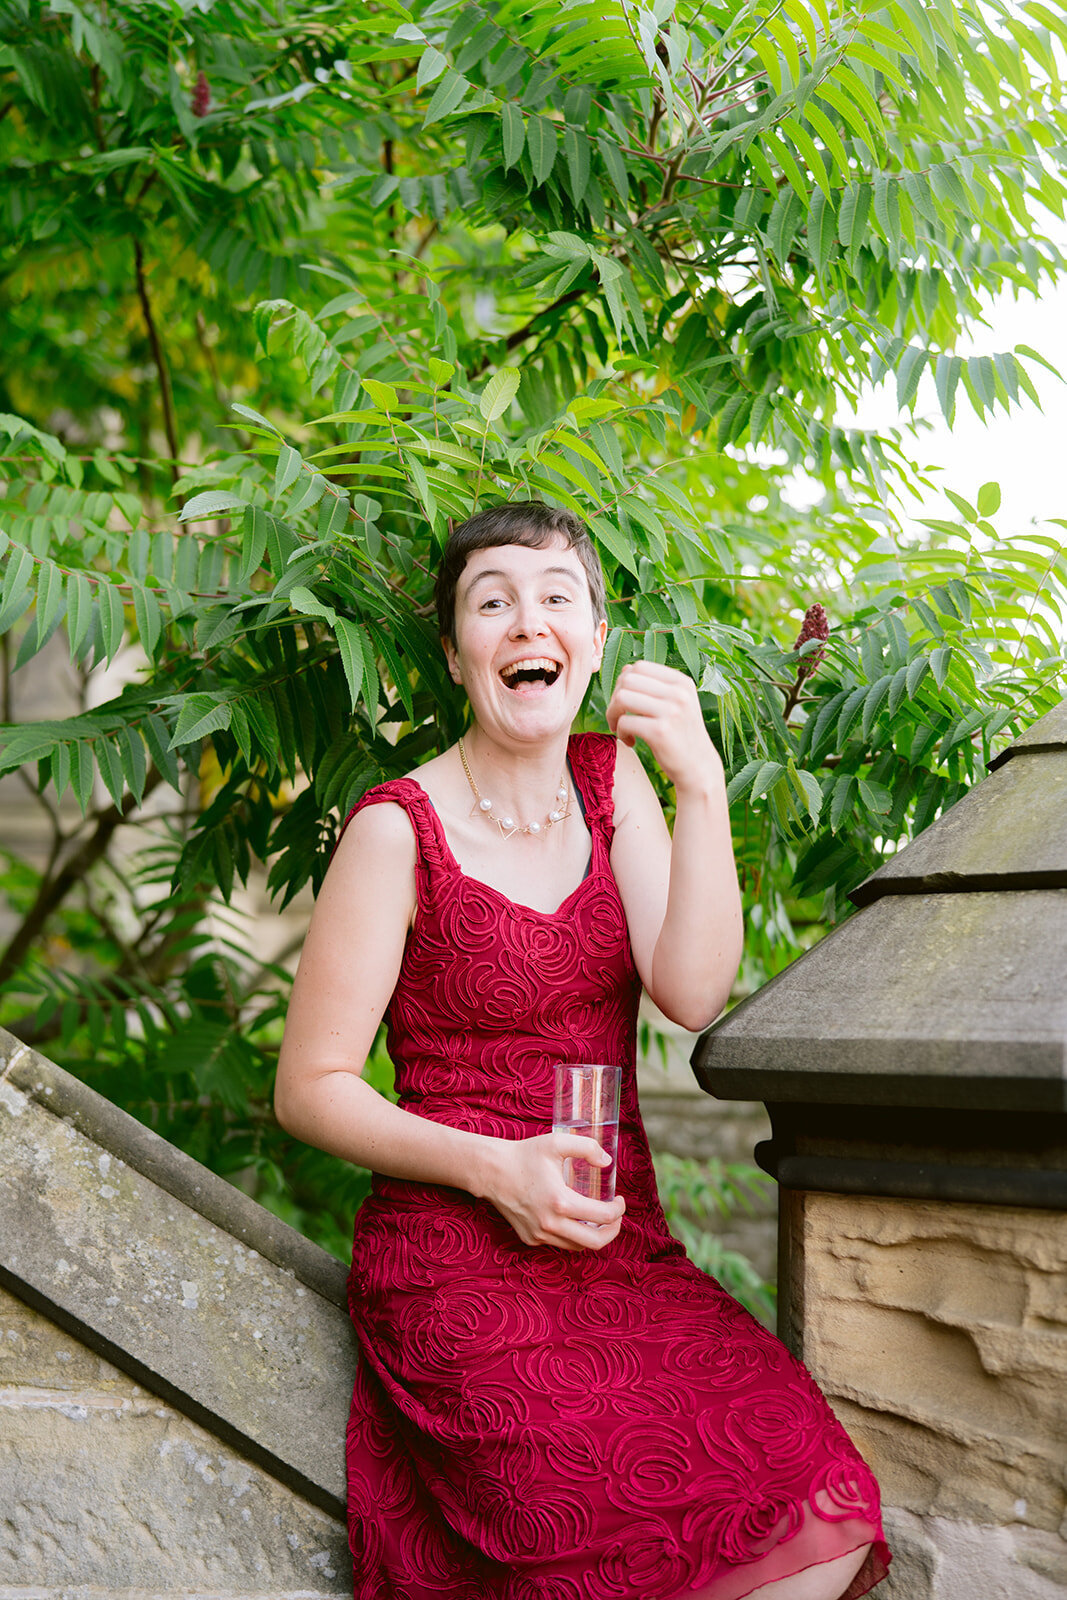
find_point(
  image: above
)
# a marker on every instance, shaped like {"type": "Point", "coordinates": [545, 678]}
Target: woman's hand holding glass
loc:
{"type": "Point", "coordinates": [527, 1185]}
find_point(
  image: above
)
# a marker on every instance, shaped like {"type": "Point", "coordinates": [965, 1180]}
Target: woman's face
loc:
{"type": "Point", "coordinates": [526, 642]}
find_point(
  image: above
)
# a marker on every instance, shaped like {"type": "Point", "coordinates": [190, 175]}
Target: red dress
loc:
{"type": "Point", "coordinates": [530, 1423]}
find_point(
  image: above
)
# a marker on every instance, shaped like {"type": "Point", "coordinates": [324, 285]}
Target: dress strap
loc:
{"type": "Point", "coordinates": [412, 797]}
{"type": "Point", "coordinates": [592, 759]}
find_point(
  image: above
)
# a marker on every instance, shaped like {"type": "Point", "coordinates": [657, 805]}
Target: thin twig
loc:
{"type": "Point", "coordinates": [170, 426]}
{"type": "Point", "coordinates": [208, 354]}
{"type": "Point", "coordinates": [6, 703]}
{"type": "Point", "coordinates": [54, 889]}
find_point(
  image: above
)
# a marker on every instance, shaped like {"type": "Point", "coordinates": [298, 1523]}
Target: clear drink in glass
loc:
{"type": "Point", "coordinates": [586, 1101]}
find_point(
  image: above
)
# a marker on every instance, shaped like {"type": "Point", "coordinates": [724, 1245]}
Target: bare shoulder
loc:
{"type": "Point", "coordinates": [376, 853]}
{"type": "Point", "coordinates": [432, 775]}
{"type": "Point", "coordinates": [384, 824]}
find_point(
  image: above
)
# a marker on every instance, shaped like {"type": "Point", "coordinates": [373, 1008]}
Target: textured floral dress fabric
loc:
{"type": "Point", "coordinates": [530, 1423]}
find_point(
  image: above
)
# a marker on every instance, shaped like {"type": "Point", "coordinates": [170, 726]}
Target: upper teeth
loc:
{"type": "Point", "coordinates": [534, 664]}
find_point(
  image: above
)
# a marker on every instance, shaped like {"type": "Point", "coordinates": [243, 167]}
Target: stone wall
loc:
{"type": "Point", "coordinates": [939, 1332]}
{"type": "Point", "coordinates": [104, 1486]}
{"type": "Point", "coordinates": [175, 1366]}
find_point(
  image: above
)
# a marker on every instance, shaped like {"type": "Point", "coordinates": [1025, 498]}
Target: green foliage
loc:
{"type": "Point", "coordinates": [297, 637]}
{"type": "Point", "coordinates": [193, 1058]}
{"type": "Point", "coordinates": [697, 1195]}
{"type": "Point", "coordinates": [420, 259]}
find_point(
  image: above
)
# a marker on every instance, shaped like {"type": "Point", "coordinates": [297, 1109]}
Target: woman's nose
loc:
{"type": "Point", "coordinates": [527, 622]}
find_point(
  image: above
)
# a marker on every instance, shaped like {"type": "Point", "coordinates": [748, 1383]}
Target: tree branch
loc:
{"type": "Point", "coordinates": [522, 334]}
{"type": "Point", "coordinates": [170, 427]}
{"type": "Point", "coordinates": [209, 361]}
{"type": "Point", "coordinates": [792, 694]}
{"type": "Point", "coordinates": [6, 714]}
{"type": "Point", "coordinates": [429, 235]}
{"type": "Point", "coordinates": [54, 890]}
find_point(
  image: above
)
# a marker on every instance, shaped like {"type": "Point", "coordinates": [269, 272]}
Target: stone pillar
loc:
{"type": "Point", "coordinates": [939, 1334]}
{"type": "Point", "coordinates": [914, 1065]}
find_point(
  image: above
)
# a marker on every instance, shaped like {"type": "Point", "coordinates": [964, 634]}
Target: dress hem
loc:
{"type": "Point", "coordinates": [873, 1570]}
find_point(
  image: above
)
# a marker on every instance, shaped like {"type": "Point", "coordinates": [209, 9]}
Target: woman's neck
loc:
{"type": "Point", "coordinates": [522, 783]}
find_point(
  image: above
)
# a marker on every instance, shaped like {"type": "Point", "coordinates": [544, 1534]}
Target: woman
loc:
{"type": "Point", "coordinates": [547, 1410]}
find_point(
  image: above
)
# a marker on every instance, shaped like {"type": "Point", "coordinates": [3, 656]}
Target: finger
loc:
{"type": "Point", "coordinates": [631, 727]}
{"type": "Point", "coordinates": [655, 669]}
{"type": "Point", "coordinates": [679, 695]}
{"type": "Point", "coordinates": [649, 704]}
{"type": "Point", "coordinates": [580, 1208]}
{"type": "Point", "coordinates": [578, 1147]}
{"type": "Point", "coordinates": [614, 714]}
{"type": "Point", "coordinates": [646, 670]}
{"type": "Point", "coordinates": [599, 1237]}
{"type": "Point", "coordinates": [621, 692]}
{"type": "Point", "coordinates": [661, 680]}
{"type": "Point", "coordinates": [576, 1217]}
{"type": "Point", "coordinates": [580, 1236]}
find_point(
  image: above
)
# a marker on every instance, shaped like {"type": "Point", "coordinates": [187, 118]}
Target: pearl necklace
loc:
{"type": "Point", "coordinates": [508, 825]}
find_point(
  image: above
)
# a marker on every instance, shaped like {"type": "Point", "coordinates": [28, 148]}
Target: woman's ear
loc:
{"type": "Point", "coordinates": [452, 659]}
{"type": "Point", "coordinates": [600, 633]}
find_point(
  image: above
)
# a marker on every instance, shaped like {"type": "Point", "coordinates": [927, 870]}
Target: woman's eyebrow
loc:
{"type": "Point", "coordinates": [487, 572]}
{"type": "Point", "coordinates": [497, 572]}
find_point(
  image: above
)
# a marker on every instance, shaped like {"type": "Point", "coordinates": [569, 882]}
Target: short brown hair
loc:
{"type": "Point", "coordinates": [526, 522]}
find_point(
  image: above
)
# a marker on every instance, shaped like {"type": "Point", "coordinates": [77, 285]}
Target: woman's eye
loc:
{"type": "Point", "coordinates": [559, 599]}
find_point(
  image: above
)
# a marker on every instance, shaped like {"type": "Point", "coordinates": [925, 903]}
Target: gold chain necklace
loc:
{"type": "Point", "coordinates": [508, 825]}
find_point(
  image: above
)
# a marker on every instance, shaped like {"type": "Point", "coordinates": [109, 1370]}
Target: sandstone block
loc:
{"type": "Point", "coordinates": [156, 1287]}
{"type": "Point", "coordinates": [34, 1352]}
{"type": "Point", "coordinates": [976, 1560]}
{"type": "Point", "coordinates": [937, 1558]}
{"type": "Point", "coordinates": [116, 1491]}
{"type": "Point", "coordinates": [939, 1333]}
{"type": "Point", "coordinates": [913, 1575]}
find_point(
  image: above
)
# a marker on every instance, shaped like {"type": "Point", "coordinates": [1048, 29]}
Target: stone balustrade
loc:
{"type": "Point", "coordinates": [175, 1367]}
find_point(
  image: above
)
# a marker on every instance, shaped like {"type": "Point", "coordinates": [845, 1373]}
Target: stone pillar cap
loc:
{"type": "Point", "coordinates": [949, 986]}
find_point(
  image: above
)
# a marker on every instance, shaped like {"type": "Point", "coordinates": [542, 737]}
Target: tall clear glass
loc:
{"type": "Point", "coordinates": [587, 1102]}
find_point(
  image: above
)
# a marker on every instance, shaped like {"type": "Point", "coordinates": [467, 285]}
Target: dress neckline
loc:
{"type": "Point", "coordinates": [519, 905]}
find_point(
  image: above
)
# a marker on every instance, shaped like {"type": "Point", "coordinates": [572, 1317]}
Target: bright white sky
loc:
{"type": "Point", "coordinates": [1026, 451]}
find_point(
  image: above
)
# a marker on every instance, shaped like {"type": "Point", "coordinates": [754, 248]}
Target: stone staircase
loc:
{"type": "Point", "coordinates": [175, 1367]}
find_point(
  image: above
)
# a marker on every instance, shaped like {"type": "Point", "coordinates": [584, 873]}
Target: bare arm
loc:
{"type": "Point", "coordinates": [682, 901]}
{"type": "Point", "coordinates": [348, 970]}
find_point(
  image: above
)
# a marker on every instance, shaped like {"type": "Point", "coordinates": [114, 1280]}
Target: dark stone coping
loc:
{"type": "Point", "coordinates": [882, 1085]}
{"type": "Point", "coordinates": [170, 1169]}
{"type": "Point", "coordinates": [874, 887]}
{"type": "Point", "coordinates": [999, 1157]}
{"type": "Point", "coordinates": [1047, 733]}
{"type": "Point", "coordinates": [1008, 832]}
{"type": "Point", "coordinates": [944, 1136]}
{"type": "Point", "coordinates": [916, 1180]}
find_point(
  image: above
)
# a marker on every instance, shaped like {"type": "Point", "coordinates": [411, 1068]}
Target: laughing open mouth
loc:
{"type": "Point", "coordinates": [540, 670]}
